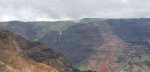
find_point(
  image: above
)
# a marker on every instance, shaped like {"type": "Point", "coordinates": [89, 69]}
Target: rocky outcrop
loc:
{"type": "Point", "coordinates": [18, 54]}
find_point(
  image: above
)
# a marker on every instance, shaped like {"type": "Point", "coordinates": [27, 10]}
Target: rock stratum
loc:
{"type": "Point", "coordinates": [102, 45]}
{"type": "Point", "coordinates": [18, 54]}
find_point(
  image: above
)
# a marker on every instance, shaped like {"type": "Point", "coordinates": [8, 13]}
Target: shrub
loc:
{"type": "Point", "coordinates": [147, 63]}
{"type": "Point", "coordinates": [3, 34]}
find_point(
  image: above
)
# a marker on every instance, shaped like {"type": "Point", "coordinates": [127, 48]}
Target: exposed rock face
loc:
{"type": "Point", "coordinates": [103, 45]}
{"type": "Point", "coordinates": [77, 41]}
{"type": "Point", "coordinates": [20, 55]}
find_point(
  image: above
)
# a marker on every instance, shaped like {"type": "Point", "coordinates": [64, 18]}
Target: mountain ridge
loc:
{"type": "Point", "coordinates": [124, 43]}
{"type": "Point", "coordinates": [18, 54]}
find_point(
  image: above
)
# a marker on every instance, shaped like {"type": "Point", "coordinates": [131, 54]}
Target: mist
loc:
{"type": "Point", "coordinates": [53, 10]}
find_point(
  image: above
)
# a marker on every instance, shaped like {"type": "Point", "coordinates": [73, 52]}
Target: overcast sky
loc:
{"type": "Point", "coordinates": [38, 10]}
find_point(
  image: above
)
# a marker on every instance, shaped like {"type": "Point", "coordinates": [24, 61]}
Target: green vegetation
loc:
{"type": "Point", "coordinates": [48, 27]}
{"type": "Point", "coordinates": [147, 62]}
{"type": "Point", "coordinates": [3, 34]}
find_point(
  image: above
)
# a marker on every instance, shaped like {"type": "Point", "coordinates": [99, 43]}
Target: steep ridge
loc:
{"type": "Point", "coordinates": [20, 55]}
{"type": "Point", "coordinates": [103, 59]}
{"type": "Point", "coordinates": [12, 61]}
{"type": "Point", "coordinates": [116, 55]}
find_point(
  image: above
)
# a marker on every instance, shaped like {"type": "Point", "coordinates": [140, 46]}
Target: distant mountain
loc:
{"type": "Point", "coordinates": [104, 45]}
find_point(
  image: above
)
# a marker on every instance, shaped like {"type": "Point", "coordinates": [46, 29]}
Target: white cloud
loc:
{"type": "Point", "coordinates": [33, 10]}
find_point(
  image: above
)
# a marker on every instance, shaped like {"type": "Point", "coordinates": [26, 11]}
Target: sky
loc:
{"type": "Point", "coordinates": [53, 10]}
